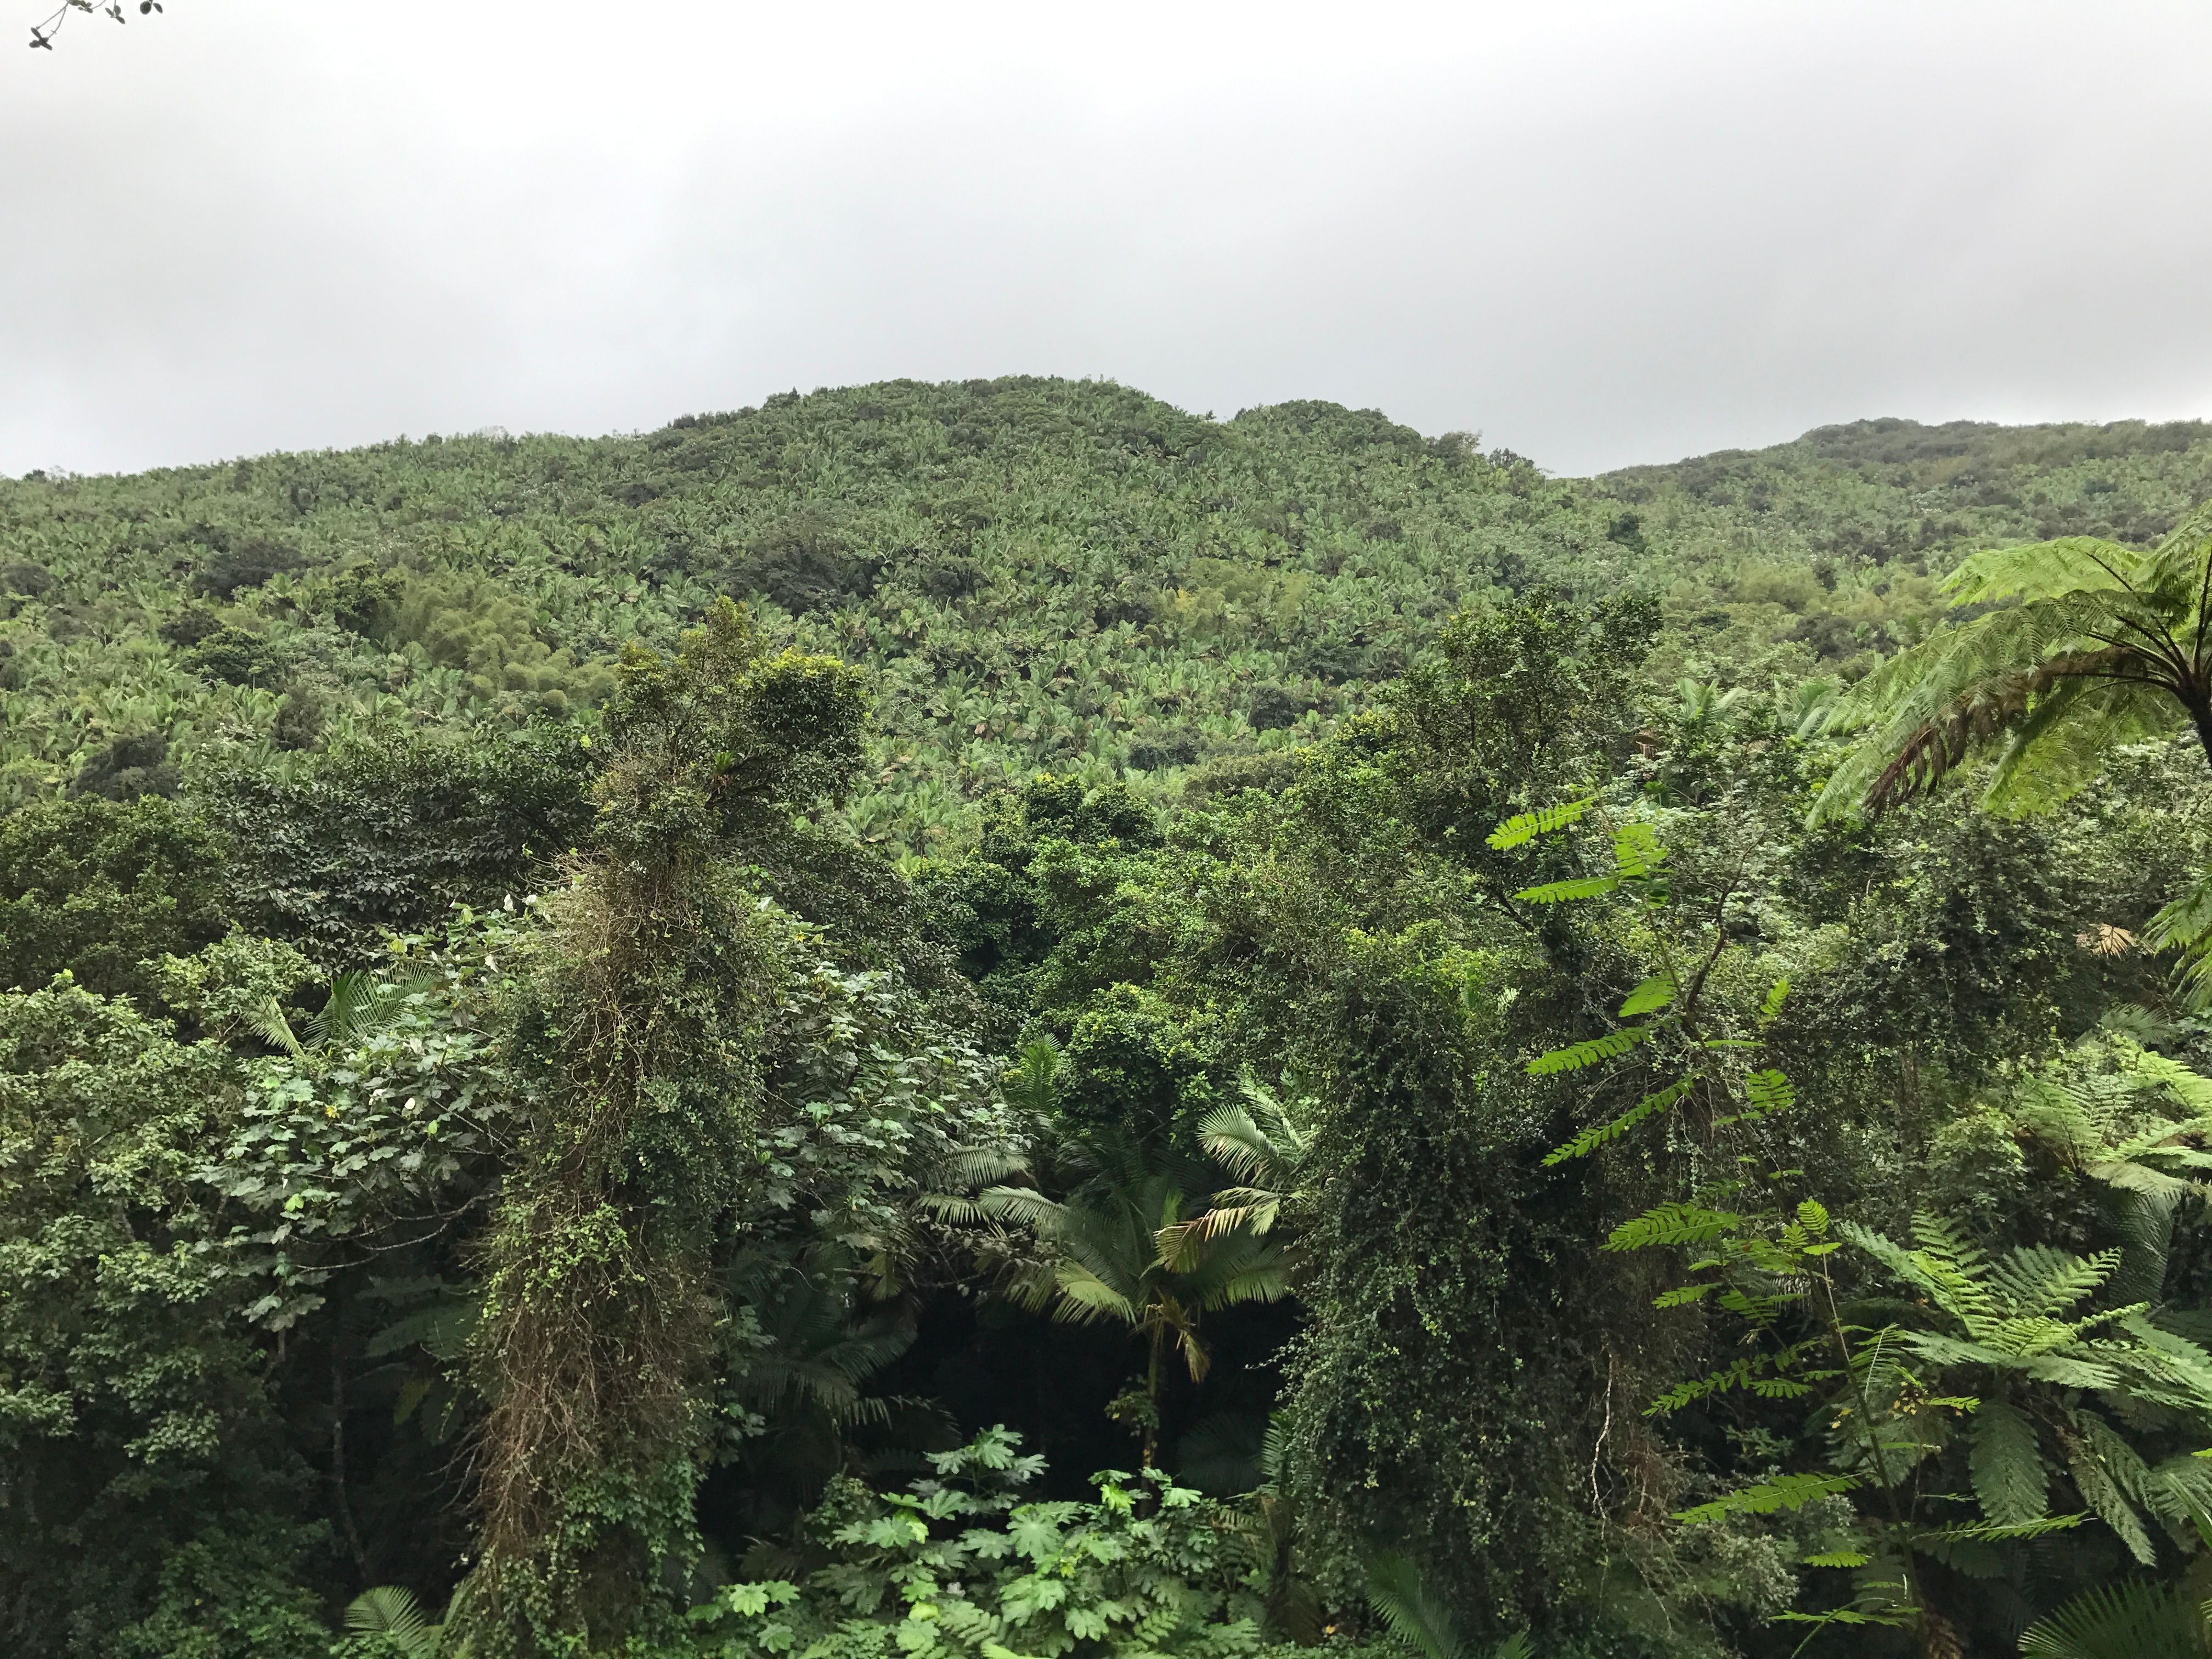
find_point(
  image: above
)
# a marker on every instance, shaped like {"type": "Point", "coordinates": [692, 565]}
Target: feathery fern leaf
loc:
{"type": "Point", "coordinates": [2134, 1621]}
{"type": "Point", "coordinates": [1524, 827]}
{"type": "Point", "coordinates": [1672, 1223]}
{"type": "Point", "coordinates": [1575, 1056]}
{"type": "Point", "coordinates": [1562, 892]}
{"type": "Point", "coordinates": [1653, 994]}
{"type": "Point", "coordinates": [2006, 1463]}
{"type": "Point", "coordinates": [1598, 1134]}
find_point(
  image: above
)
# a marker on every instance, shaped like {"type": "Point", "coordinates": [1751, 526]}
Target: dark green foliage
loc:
{"type": "Point", "coordinates": [802, 565]}
{"type": "Point", "coordinates": [135, 1424]}
{"type": "Point", "coordinates": [1134, 1063]}
{"type": "Point", "coordinates": [246, 562]}
{"type": "Point", "coordinates": [26, 578]}
{"type": "Point", "coordinates": [95, 889]}
{"type": "Point", "coordinates": [386, 837]}
{"type": "Point", "coordinates": [234, 656]}
{"type": "Point", "coordinates": [128, 768]}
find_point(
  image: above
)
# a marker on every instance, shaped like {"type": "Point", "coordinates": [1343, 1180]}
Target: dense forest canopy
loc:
{"type": "Point", "coordinates": [996, 1020]}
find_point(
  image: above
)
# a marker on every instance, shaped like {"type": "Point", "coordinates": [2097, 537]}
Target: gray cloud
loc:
{"type": "Point", "coordinates": [1598, 232]}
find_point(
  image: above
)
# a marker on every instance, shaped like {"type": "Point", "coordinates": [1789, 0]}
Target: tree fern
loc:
{"type": "Point", "coordinates": [2098, 644]}
{"type": "Point", "coordinates": [2039, 1281]}
{"type": "Point", "coordinates": [2120, 1621]}
{"type": "Point", "coordinates": [2006, 1463]}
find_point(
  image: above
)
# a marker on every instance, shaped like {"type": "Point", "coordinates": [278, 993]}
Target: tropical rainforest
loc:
{"type": "Point", "coordinates": [995, 1021]}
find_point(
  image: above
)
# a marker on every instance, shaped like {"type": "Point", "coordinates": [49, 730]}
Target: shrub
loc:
{"type": "Point", "coordinates": [24, 579]}
{"type": "Point", "coordinates": [234, 656]}
{"type": "Point", "coordinates": [248, 564]}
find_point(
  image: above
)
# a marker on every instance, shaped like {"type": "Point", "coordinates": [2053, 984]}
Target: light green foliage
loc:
{"type": "Point", "coordinates": [963, 1563]}
{"type": "Point", "coordinates": [1981, 1395]}
{"type": "Point", "coordinates": [1090, 578]}
{"type": "Point", "coordinates": [1668, 1002]}
{"type": "Point", "coordinates": [475, 625]}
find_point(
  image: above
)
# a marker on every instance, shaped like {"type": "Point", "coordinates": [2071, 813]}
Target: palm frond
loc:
{"type": "Point", "coordinates": [2134, 1621]}
{"type": "Point", "coordinates": [389, 1611]}
{"type": "Point", "coordinates": [1032, 1084]}
{"type": "Point", "coordinates": [1415, 1613]}
{"type": "Point", "coordinates": [266, 1021]}
{"type": "Point", "coordinates": [1084, 1298]}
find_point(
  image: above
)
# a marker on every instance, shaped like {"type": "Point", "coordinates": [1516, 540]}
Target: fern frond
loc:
{"type": "Point", "coordinates": [1672, 1223]}
{"type": "Point", "coordinates": [2006, 1463]}
{"type": "Point", "coordinates": [2069, 734]}
{"type": "Point", "coordinates": [1598, 1134]}
{"type": "Point", "coordinates": [1930, 707]}
{"type": "Point", "coordinates": [1788, 1492]}
{"type": "Point", "coordinates": [2040, 1281]}
{"type": "Point", "coordinates": [2101, 1489]}
{"type": "Point", "coordinates": [1636, 851]}
{"type": "Point", "coordinates": [1576, 1056]}
{"type": "Point", "coordinates": [2043, 571]}
{"type": "Point", "coordinates": [1770, 1010]}
{"type": "Point", "coordinates": [1770, 1092]}
{"type": "Point", "coordinates": [1524, 827]}
{"type": "Point", "coordinates": [1563, 892]}
{"type": "Point", "coordinates": [1653, 994]}
{"type": "Point", "coordinates": [1989, 1532]}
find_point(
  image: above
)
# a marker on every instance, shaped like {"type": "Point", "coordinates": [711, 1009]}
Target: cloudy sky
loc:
{"type": "Point", "coordinates": [1598, 234]}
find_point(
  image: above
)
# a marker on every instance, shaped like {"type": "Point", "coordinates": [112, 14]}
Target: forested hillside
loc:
{"type": "Point", "coordinates": [993, 1020]}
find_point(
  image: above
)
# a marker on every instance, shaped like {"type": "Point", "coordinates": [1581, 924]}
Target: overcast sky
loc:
{"type": "Point", "coordinates": [1597, 234]}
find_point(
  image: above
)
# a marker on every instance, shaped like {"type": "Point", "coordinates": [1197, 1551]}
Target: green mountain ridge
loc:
{"type": "Point", "coordinates": [1038, 574]}
{"type": "Point", "coordinates": [1283, 956]}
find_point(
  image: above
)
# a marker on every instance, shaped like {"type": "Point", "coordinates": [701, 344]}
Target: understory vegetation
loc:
{"type": "Point", "coordinates": [993, 1021]}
